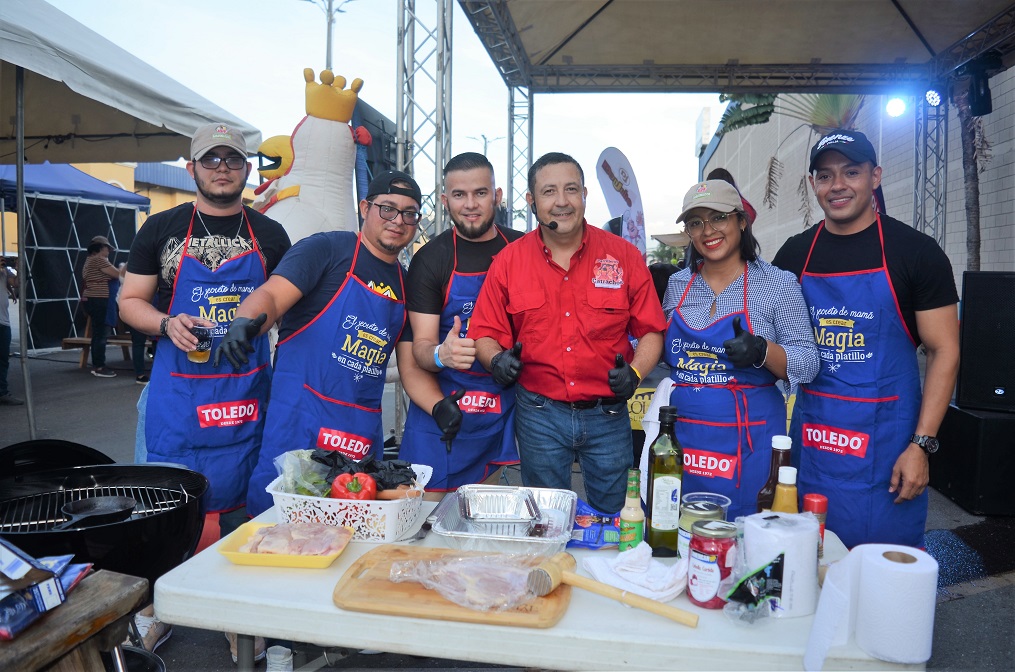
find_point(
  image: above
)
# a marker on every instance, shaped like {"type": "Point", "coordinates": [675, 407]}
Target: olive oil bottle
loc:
{"type": "Point", "coordinates": [665, 476]}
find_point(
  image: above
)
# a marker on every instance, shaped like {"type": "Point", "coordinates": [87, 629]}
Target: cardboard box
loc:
{"type": "Point", "coordinates": [30, 587]}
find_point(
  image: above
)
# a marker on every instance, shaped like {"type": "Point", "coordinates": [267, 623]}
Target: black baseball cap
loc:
{"type": "Point", "coordinates": [854, 145]}
{"type": "Point", "coordinates": [382, 184]}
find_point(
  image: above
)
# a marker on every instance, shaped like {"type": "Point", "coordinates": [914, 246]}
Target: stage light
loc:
{"type": "Point", "coordinates": [979, 94]}
{"type": "Point", "coordinates": [933, 96]}
{"type": "Point", "coordinates": [896, 107]}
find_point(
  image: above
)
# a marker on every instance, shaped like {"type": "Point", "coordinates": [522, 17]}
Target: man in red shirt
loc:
{"type": "Point", "coordinates": [554, 315]}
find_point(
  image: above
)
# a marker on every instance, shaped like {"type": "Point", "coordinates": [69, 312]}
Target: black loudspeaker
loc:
{"type": "Point", "coordinates": [986, 365]}
{"type": "Point", "coordinates": [975, 466]}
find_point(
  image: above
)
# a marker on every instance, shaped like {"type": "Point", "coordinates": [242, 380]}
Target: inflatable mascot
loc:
{"type": "Point", "coordinates": [310, 187]}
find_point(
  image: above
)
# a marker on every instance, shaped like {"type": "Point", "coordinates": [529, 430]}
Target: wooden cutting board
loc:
{"type": "Point", "coordinates": [365, 586]}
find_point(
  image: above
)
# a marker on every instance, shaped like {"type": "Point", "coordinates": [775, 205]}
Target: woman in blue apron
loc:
{"type": "Point", "coordinates": [197, 416]}
{"type": "Point", "coordinates": [487, 434]}
{"type": "Point", "coordinates": [329, 380]}
{"type": "Point", "coordinates": [738, 325]}
{"type": "Point", "coordinates": [854, 420]}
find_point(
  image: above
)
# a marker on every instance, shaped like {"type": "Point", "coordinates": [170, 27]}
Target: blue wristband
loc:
{"type": "Point", "coordinates": [437, 358]}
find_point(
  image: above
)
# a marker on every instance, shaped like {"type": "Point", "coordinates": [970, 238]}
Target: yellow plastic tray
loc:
{"type": "Point", "coordinates": [230, 548]}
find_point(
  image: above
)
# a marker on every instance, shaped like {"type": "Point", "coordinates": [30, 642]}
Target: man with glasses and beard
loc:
{"type": "Point", "coordinates": [191, 266]}
{"type": "Point", "coordinates": [340, 298]}
{"type": "Point", "coordinates": [452, 394]}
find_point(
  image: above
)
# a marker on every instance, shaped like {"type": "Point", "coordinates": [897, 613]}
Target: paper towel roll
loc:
{"type": "Point", "coordinates": [766, 536]}
{"type": "Point", "coordinates": [882, 596]}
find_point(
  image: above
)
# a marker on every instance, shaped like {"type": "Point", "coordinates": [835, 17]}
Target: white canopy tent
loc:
{"type": "Point", "coordinates": [68, 95]}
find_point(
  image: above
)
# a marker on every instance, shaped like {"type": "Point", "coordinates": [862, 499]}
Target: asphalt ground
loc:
{"type": "Point", "coordinates": [975, 618]}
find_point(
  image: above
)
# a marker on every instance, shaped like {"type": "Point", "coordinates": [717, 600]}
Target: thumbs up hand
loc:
{"type": "Point", "coordinates": [745, 349]}
{"type": "Point", "coordinates": [457, 352]}
{"type": "Point", "coordinates": [623, 379]}
{"type": "Point", "coordinates": [506, 365]}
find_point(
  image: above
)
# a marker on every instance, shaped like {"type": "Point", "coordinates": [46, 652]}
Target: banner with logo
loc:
{"type": "Point", "coordinates": [622, 196]}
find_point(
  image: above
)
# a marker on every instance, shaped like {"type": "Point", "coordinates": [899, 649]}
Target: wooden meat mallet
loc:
{"type": "Point", "coordinates": [548, 575]}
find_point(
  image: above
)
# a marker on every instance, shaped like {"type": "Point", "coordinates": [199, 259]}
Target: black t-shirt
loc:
{"type": "Point", "coordinates": [919, 269]}
{"type": "Point", "coordinates": [431, 267]}
{"type": "Point", "coordinates": [159, 243]}
{"type": "Point", "coordinates": [318, 265]}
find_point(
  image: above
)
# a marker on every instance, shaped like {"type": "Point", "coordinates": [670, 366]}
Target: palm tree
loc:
{"type": "Point", "coordinates": [818, 112]}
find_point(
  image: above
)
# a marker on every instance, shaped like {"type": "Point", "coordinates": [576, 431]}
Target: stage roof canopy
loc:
{"type": "Point", "coordinates": [864, 46]}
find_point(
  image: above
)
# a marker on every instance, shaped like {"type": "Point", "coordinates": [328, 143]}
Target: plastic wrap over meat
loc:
{"type": "Point", "coordinates": [483, 582]}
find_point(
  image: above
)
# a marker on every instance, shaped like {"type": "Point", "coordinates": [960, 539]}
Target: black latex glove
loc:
{"type": "Point", "coordinates": [745, 349]}
{"type": "Point", "coordinates": [236, 343]}
{"type": "Point", "coordinates": [448, 416]}
{"type": "Point", "coordinates": [623, 380]}
{"type": "Point", "coordinates": [507, 364]}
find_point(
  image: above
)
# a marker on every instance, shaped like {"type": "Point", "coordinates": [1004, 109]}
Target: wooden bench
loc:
{"type": "Point", "coordinates": [85, 342]}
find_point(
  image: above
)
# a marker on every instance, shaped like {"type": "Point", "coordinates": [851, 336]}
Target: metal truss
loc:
{"type": "Point", "coordinates": [423, 118]}
{"type": "Point", "coordinates": [930, 170]}
{"type": "Point", "coordinates": [998, 33]}
{"type": "Point", "coordinates": [519, 154]}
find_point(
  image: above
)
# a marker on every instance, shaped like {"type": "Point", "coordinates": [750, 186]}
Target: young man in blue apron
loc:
{"type": "Point", "coordinates": [876, 289]}
{"type": "Point", "coordinates": [468, 440]}
{"type": "Point", "coordinates": [341, 302]}
{"type": "Point", "coordinates": [189, 266]}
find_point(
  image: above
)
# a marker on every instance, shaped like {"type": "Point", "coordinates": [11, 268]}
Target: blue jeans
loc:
{"type": "Point", "coordinates": [100, 331]}
{"type": "Point", "coordinates": [551, 435]}
{"type": "Point", "coordinates": [5, 353]}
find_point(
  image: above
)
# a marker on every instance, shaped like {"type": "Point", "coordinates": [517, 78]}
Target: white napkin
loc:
{"type": "Point", "coordinates": [635, 571]}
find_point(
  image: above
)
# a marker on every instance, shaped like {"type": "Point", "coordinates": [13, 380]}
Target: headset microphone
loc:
{"type": "Point", "coordinates": [551, 225]}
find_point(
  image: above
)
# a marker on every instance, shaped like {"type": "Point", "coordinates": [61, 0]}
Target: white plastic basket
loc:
{"type": "Point", "coordinates": [373, 520]}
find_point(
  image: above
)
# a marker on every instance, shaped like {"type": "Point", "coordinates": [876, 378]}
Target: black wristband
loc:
{"type": "Point", "coordinates": [164, 325]}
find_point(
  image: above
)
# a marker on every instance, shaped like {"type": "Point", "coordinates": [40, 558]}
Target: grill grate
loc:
{"type": "Point", "coordinates": [41, 512]}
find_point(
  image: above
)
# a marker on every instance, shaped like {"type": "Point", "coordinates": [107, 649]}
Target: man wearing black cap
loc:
{"type": "Point", "coordinates": [341, 302]}
{"type": "Point", "coordinates": [876, 288]}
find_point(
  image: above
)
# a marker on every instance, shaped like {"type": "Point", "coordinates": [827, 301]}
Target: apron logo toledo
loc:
{"type": "Point", "coordinates": [227, 413]}
{"type": "Point", "coordinates": [347, 443]}
{"type": "Point", "coordinates": [367, 350]}
{"type": "Point", "coordinates": [835, 440]}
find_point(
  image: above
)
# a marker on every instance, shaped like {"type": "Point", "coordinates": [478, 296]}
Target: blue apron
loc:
{"type": "Point", "coordinates": [855, 419]}
{"type": "Point", "coordinates": [723, 410]}
{"type": "Point", "coordinates": [329, 380]}
{"type": "Point", "coordinates": [487, 437]}
{"type": "Point", "coordinates": [199, 416]}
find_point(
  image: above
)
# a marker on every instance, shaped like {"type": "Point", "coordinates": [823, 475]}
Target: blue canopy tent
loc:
{"type": "Point", "coordinates": [65, 208]}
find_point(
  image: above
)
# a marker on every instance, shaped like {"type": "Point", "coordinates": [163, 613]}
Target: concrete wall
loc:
{"type": "Point", "coordinates": [746, 154]}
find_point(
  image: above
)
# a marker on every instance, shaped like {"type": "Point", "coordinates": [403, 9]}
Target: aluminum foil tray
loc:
{"type": "Point", "coordinates": [497, 504]}
{"type": "Point", "coordinates": [554, 525]}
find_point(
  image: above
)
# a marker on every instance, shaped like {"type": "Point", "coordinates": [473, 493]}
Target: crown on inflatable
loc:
{"type": "Point", "coordinates": [330, 99]}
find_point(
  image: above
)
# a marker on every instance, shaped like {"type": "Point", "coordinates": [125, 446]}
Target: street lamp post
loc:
{"type": "Point", "coordinates": [486, 140]}
{"type": "Point", "coordinates": [329, 9]}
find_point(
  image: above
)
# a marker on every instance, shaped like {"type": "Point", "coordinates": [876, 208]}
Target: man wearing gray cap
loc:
{"type": "Point", "coordinates": [341, 301]}
{"type": "Point", "coordinates": [191, 266]}
{"type": "Point", "coordinates": [876, 288]}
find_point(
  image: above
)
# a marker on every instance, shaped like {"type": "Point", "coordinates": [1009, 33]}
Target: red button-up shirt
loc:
{"type": "Point", "coordinates": [572, 323]}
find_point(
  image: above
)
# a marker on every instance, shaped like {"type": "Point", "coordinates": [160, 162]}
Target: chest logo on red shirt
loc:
{"type": "Point", "coordinates": [347, 443]}
{"type": "Point", "coordinates": [835, 440]}
{"type": "Point", "coordinates": [227, 413]}
{"type": "Point", "coordinates": [608, 273]}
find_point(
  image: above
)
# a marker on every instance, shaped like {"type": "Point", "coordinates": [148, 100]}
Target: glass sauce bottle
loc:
{"type": "Point", "coordinates": [632, 518]}
{"type": "Point", "coordinates": [665, 476]}
{"type": "Point", "coordinates": [780, 458]}
{"type": "Point", "coordinates": [785, 492]}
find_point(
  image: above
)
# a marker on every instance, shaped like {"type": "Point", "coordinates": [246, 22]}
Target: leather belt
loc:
{"type": "Point", "coordinates": [586, 405]}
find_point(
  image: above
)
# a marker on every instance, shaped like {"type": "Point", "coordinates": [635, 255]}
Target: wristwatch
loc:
{"type": "Point", "coordinates": [930, 444]}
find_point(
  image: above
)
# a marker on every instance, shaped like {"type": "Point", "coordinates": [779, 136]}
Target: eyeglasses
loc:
{"type": "Point", "coordinates": [212, 162]}
{"type": "Point", "coordinates": [719, 221]}
{"type": "Point", "coordinates": [388, 213]}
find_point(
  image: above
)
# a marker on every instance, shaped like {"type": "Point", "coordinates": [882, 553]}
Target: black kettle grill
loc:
{"type": "Point", "coordinates": [162, 531]}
